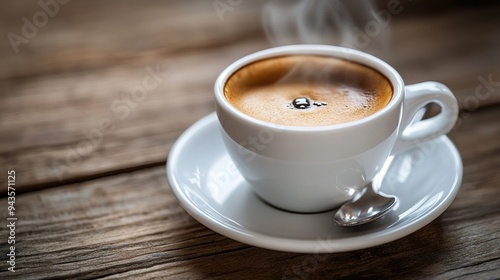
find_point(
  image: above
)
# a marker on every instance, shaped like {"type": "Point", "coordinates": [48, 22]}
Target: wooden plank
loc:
{"type": "Point", "coordinates": [42, 141]}
{"type": "Point", "coordinates": [85, 35]}
{"type": "Point", "coordinates": [44, 118]}
{"type": "Point", "coordinates": [46, 114]}
{"type": "Point", "coordinates": [130, 225]}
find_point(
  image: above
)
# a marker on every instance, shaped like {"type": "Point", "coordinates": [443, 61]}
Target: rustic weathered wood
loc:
{"type": "Point", "coordinates": [130, 225]}
{"type": "Point", "coordinates": [43, 141]}
{"type": "Point", "coordinates": [75, 86]}
{"type": "Point", "coordinates": [47, 145]}
{"type": "Point", "coordinates": [85, 35]}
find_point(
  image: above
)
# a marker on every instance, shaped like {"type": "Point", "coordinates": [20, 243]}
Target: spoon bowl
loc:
{"type": "Point", "coordinates": [367, 206]}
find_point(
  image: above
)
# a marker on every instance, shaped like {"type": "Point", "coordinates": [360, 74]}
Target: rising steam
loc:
{"type": "Point", "coordinates": [355, 24]}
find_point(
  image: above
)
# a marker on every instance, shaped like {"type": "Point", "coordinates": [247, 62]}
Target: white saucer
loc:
{"type": "Point", "coordinates": [204, 180]}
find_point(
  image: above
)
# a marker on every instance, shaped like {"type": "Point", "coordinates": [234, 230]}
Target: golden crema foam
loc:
{"type": "Point", "coordinates": [308, 90]}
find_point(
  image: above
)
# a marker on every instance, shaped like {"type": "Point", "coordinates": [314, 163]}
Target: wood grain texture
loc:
{"type": "Point", "coordinates": [43, 141]}
{"type": "Point", "coordinates": [90, 77]}
{"type": "Point", "coordinates": [130, 225]}
{"type": "Point", "coordinates": [85, 35]}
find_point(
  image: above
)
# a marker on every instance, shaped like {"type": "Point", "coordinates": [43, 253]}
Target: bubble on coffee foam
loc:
{"type": "Point", "coordinates": [304, 103]}
{"type": "Point", "coordinates": [319, 104]}
{"type": "Point", "coordinates": [301, 103]}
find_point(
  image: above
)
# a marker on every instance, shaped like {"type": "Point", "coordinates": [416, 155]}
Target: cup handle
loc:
{"type": "Point", "coordinates": [413, 130]}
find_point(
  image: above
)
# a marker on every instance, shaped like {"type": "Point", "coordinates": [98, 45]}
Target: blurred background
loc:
{"type": "Point", "coordinates": [69, 67]}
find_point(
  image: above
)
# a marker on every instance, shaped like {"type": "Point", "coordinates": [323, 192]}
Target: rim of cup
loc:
{"type": "Point", "coordinates": [320, 50]}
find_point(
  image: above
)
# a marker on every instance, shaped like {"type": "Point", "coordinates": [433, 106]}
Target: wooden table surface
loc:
{"type": "Point", "coordinates": [92, 198]}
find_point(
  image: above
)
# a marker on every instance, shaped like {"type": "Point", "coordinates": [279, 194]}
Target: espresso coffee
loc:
{"type": "Point", "coordinates": [308, 90]}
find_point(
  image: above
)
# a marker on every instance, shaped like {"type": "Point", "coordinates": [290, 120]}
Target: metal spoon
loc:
{"type": "Point", "coordinates": [369, 205]}
{"type": "Point", "coordinates": [364, 208]}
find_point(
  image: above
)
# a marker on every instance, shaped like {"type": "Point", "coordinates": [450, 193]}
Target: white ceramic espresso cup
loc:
{"type": "Point", "coordinates": [317, 168]}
